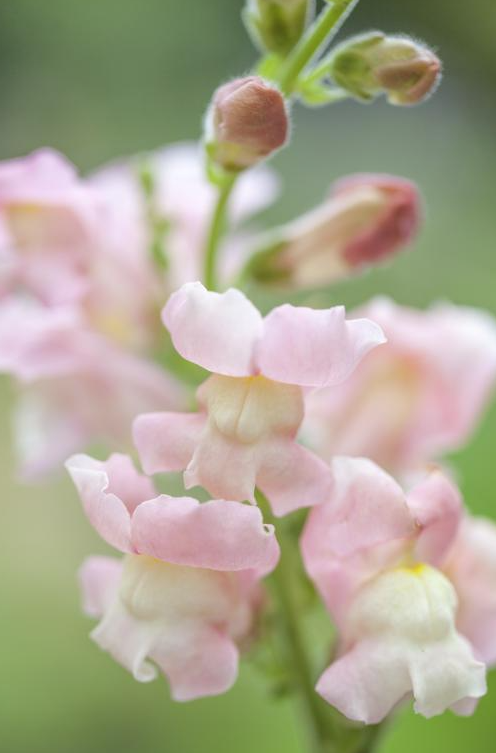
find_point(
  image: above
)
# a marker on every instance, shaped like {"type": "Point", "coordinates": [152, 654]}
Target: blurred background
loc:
{"type": "Point", "coordinates": [100, 80]}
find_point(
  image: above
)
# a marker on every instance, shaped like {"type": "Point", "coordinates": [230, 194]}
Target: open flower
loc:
{"type": "Point", "coordinates": [75, 386]}
{"type": "Point", "coordinates": [187, 591]}
{"type": "Point", "coordinates": [47, 221]}
{"type": "Point", "coordinates": [419, 396]}
{"type": "Point", "coordinates": [252, 405]}
{"type": "Point", "coordinates": [383, 564]}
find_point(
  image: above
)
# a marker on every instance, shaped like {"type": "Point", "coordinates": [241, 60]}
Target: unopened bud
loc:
{"type": "Point", "coordinates": [246, 122]}
{"type": "Point", "coordinates": [404, 70]}
{"type": "Point", "coordinates": [277, 25]}
{"type": "Point", "coordinates": [367, 219]}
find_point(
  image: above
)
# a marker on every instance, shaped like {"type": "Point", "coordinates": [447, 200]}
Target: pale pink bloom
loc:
{"type": "Point", "coordinates": [252, 405]}
{"type": "Point", "coordinates": [418, 397]}
{"type": "Point", "coordinates": [47, 221]}
{"type": "Point", "coordinates": [187, 592]}
{"type": "Point", "coordinates": [64, 240]}
{"type": "Point", "coordinates": [366, 220]}
{"type": "Point", "coordinates": [76, 386]}
{"type": "Point", "coordinates": [379, 558]}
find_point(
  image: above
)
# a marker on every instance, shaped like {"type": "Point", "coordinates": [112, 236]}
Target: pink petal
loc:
{"type": "Point", "coordinates": [366, 526]}
{"type": "Point", "coordinates": [41, 174]}
{"type": "Point", "coordinates": [99, 580]}
{"type": "Point", "coordinates": [313, 348]}
{"type": "Point", "coordinates": [128, 640]}
{"type": "Point", "coordinates": [37, 342]}
{"type": "Point", "coordinates": [366, 683]}
{"type": "Point", "coordinates": [366, 508]}
{"type": "Point", "coordinates": [217, 535]}
{"type": "Point", "coordinates": [226, 468]}
{"type": "Point", "coordinates": [167, 441]}
{"type": "Point", "coordinates": [109, 513]}
{"type": "Point", "coordinates": [292, 477]}
{"type": "Point", "coordinates": [437, 507]}
{"type": "Point", "coordinates": [471, 567]}
{"type": "Point", "coordinates": [206, 666]}
{"type": "Point", "coordinates": [215, 330]}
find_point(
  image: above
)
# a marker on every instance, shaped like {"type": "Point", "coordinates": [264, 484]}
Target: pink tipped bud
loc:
{"type": "Point", "coordinates": [404, 70]}
{"type": "Point", "coordinates": [367, 219]}
{"type": "Point", "coordinates": [246, 122]}
{"type": "Point", "coordinates": [379, 234]}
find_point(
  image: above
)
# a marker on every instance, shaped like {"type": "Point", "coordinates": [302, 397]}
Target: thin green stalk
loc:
{"type": "Point", "coordinates": [328, 21]}
{"type": "Point", "coordinates": [216, 229]}
{"type": "Point", "coordinates": [319, 718]}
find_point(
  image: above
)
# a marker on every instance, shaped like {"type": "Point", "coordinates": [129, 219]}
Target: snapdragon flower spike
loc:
{"type": "Point", "coordinates": [382, 562]}
{"type": "Point", "coordinates": [366, 221]}
{"type": "Point", "coordinates": [186, 594]}
{"type": "Point", "coordinates": [419, 396]}
{"type": "Point", "coordinates": [252, 405]}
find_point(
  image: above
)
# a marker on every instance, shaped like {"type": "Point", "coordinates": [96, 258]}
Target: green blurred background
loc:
{"type": "Point", "coordinates": [102, 79]}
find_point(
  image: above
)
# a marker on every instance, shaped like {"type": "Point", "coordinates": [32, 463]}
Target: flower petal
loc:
{"type": "Point", "coordinates": [445, 675]}
{"type": "Point", "coordinates": [99, 579]}
{"type": "Point", "coordinates": [215, 330]}
{"type": "Point", "coordinates": [292, 477]}
{"type": "Point", "coordinates": [366, 508]}
{"type": "Point", "coordinates": [437, 507]}
{"type": "Point", "coordinates": [225, 467]}
{"type": "Point", "coordinates": [218, 535]}
{"type": "Point", "coordinates": [110, 492]}
{"type": "Point", "coordinates": [128, 640]}
{"type": "Point", "coordinates": [471, 567]}
{"type": "Point", "coordinates": [313, 348]}
{"type": "Point", "coordinates": [167, 441]}
{"type": "Point", "coordinates": [201, 662]}
{"type": "Point", "coordinates": [366, 683]}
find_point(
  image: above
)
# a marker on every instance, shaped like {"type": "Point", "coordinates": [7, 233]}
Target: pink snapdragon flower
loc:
{"type": "Point", "coordinates": [47, 221]}
{"type": "Point", "coordinates": [409, 589]}
{"type": "Point", "coordinates": [75, 386]}
{"type": "Point", "coordinates": [418, 397]}
{"type": "Point", "coordinates": [187, 592]}
{"type": "Point", "coordinates": [252, 405]}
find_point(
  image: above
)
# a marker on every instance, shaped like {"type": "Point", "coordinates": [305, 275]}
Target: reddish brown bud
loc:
{"type": "Point", "coordinates": [246, 122]}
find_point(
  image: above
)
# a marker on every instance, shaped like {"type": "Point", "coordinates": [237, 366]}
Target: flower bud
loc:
{"type": "Point", "coordinates": [277, 25]}
{"type": "Point", "coordinates": [371, 64]}
{"type": "Point", "coordinates": [246, 122]}
{"type": "Point", "coordinates": [367, 219]}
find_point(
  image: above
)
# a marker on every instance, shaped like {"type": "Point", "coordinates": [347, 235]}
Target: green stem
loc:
{"type": "Point", "coordinates": [319, 717]}
{"type": "Point", "coordinates": [215, 232]}
{"type": "Point", "coordinates": [319, 33]}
